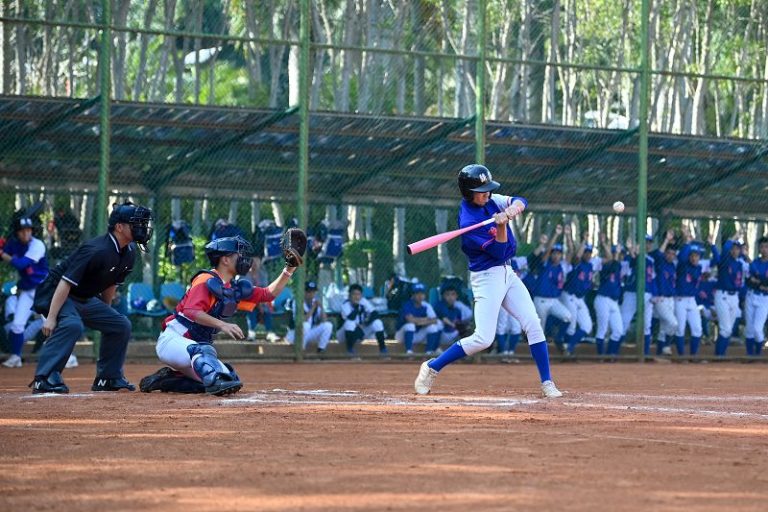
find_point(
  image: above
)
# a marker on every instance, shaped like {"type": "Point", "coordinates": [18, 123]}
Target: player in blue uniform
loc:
{"type": "Point", "coordinates": [418, 322]}
{"type": "Point", "coordinates": [607, 300]}
{"type": "Point", "coordinates": [494, 283]}
{"type": "Point", "coordinates": [577, 285]}
{"type": "Point", "coordinates": [687, 288]}
{"type": "Point", "coordinates": [549, 288]}
{"type": "Point", "coordinates": [450, 316]}
{"type": "Point", "coordinates": [756, 303]}
{"type": "Point", "coordinates": [26, 254]}
{"type": "Point", "coordinates": [730, 279]}
{"type": "Point", "coordinates": [629, 300]}
{"type": "Point", "coordinates": [665, 264]}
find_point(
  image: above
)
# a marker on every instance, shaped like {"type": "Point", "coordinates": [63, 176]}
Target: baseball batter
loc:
{"type": "Point", "coordinates": [494, 283]}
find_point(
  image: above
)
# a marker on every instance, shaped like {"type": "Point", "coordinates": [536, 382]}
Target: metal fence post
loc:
{"type": "Point", "coordinates": [642, 181]}
{"type": "Point", "coordinates": [480, 85]}
{"type": "Point", "coordinates": [105, 85]}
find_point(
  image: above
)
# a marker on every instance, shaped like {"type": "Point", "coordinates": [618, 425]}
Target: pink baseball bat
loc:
{"type": "Point", "coordinates": [435, 240]}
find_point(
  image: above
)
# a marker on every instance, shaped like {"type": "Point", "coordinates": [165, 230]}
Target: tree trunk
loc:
{"type": "Point", "coordinates": [398, 241]}
{"type": "Point", "coordinates": [6, 50]}
{"type": "Point", "coordinates": [141, 71]}
{"type": "Point", "coordinates": [443, 254]}
{"type": "Point", "coordinates": [158, 85]}
{"type": "Point", "coordinates": [21, 52]}
{"type": "Point", "coordinates": [120, 18]}
{"type": "Point", "coordinates": [252, 51]}
{"type": "Point", "coordinates": [197, 217]}
{"type": "Point", "coordinates": [698, 119]}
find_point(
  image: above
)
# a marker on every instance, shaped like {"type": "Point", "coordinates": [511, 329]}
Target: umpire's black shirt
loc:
{"type": "Point", "coordinates": [96, 265]}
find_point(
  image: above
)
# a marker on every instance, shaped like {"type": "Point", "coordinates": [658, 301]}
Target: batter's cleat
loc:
{"type": "Point", "coordinates": [425, 378]}
{"type": "Point", "coordinates": [106, 384]}
{"type": "Point", "coordinates": [72, 362]}
{"type": "Point", "coordinates": [550, 390]}
{"type": "Point", "coordinates": [53, 383]}
{"type": "Point", "coordinates": [153, 382]}
{"type": "Point", "coordinates": [223, 385]}
{"type": "Point", "coordinates": [13, 362]}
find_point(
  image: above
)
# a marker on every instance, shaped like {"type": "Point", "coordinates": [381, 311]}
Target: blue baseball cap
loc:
{"type": "Point", "coordinates": [310, 286]}
{"type": "Point", "coordinates": [696, 248]}
{"type": "Point", "coordinates": [588, 247]}
{"type": "Point", "coordinates": [557, 247]}
{"type": "Point", "coordinates": [649, 238]}
{"type": "Point", "coordinates": [418, 288]}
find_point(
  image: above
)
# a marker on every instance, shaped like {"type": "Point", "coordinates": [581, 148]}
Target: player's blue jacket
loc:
{"type": "Point", "coordinates": [759, 268]}
{"type": "Point", "coordinates": [480, 245]}
{"type": "Point", "coordinates": [688, 276]}
{"type": "Point", "coordinates": [410, 308]}
{"type": "Point", "coordinates": [579, 280]}
{"type": "Point", "coordinates": [29, 260]}
{"type": "Point", "coordinates": [666, 275]}
{"type": "Point", "coordinates": [551, 281]}
{"type": "Point", "coordinates": [630, 283]}
{"type": "Point", "coordinates": [730, 271]}
{"type": "Point", "coordinates": [442, 310]}
{"type": "Point", "coordinates": [610, 280]}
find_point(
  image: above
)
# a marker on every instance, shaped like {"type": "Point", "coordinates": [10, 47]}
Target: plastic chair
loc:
{"type": "Point", "coordinates": [140, 292]}
{"type": "Point", "coordinates": [280, 300]}
{"type": "Point", "coordinates": [172, 290]}
{"type": "Point", "coordinates": [434, 296]}
{"type": "Point", "coordinates": [368, 292]}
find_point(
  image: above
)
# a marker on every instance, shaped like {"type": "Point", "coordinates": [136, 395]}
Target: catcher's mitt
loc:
{"type": "Point", "coordinates": [293, 244]}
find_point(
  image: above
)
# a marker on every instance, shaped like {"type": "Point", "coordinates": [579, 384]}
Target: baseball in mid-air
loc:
{"type": "Point", "coordinates": [618, 207]}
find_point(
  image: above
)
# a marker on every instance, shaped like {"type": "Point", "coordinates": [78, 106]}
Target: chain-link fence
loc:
{"type": "Point", "coordinates": [203, 127]}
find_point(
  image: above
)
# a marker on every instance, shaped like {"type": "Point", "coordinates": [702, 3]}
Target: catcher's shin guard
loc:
{"type": "Point", "coordinates": [206, 364]}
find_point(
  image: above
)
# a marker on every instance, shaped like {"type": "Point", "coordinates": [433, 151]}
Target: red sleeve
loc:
{"type": "Point", "coordinates": [259, 295]}
{"type": "Point", "coordinates": [197, 300]}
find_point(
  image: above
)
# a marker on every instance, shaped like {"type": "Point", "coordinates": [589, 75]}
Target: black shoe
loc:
{"type": "Point", "coordinates": [53, 383]}
{"type": "Point", "coordinates": [154, 382]}
{"type": "Point", "coordinates": [224, 385]}
{"type": "Point", "coordinates": [105, 384]}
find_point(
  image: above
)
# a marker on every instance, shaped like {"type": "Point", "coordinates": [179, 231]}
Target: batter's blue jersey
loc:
{"type": "Point", "coordinates": [480, 245]}
{"type": "Point", "coordinates": [579, 280]}
{"type": "Point", "coordinates": [551, 281]}
{"type": "Point", "coordinates": [610, 280]}
{"type": "Point", "coordinates": [29, 260]}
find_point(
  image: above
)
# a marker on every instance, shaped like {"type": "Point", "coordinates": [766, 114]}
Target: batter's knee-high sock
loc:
{"type": "Point", "coordinates": [350, 337]}
{"type": "Point", "coordinates": [680, 342]}
{"type": "Point", "coordinates": [600, 346]}
{"type": "Point", "coordinates": [540, 354]}
{"type": "Point", "coordinates": [501, 343]}
{"type": "Point", "coordinates": [381, 342]}
{"type": "Point", "coordinates": [513, 340]}
{"type": "Point", "coordinates": [750, 344]}
{"type": "Point", "coordinates": [17, 342]}
{"type": "Point", "coordinates": [647, 345]}
{"type": "Point", "coordinates": [408, 340]}
{"type": "Point", "coordinates": [721, 345]}
{"type": "Point", "coordinates": [433, 341]}
{"type": "Point", "coordinates": [454, 353]}
{"type": "Point", "coordinates": [613, 347]}
{"type": "Point", "coordinates": [695, 342]}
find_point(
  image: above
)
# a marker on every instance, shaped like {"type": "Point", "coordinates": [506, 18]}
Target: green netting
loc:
{"type": "Point", "coordinates": [203, 123]}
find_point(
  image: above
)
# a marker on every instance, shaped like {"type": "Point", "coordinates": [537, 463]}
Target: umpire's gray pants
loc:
{"type": "Point", "coordinates": [74, 317]}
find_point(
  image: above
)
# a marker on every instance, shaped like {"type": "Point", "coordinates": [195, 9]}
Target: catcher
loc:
{"type": "Point", "coordinates": [186, 342]}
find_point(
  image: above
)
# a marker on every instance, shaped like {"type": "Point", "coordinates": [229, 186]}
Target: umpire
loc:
{"type": "Point", "coordinates": [78, 293]}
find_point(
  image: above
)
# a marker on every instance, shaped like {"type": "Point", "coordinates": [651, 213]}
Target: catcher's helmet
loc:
{"type": "Point", "coordinates": [138, 217]}
{"type": "Point", "coordinates": [476, 178]}
{"type": "Point", "coordinates": [231, 245]}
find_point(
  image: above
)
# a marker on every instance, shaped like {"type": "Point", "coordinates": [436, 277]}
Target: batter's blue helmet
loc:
{"type": "Point", "coordinates": [476, 178]}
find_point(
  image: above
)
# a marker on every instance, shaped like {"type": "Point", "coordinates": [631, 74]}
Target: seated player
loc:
{"type": "Point", "coordinates": [317, 328]}
{"type": "Point", "coordinates": [361, 321]}
{"type": "Point", "coordinates": [186, 342]}
{"type": "Point", "coordinates": [418, 321]}
{"type": "Point", "coordinates": [451, 317]}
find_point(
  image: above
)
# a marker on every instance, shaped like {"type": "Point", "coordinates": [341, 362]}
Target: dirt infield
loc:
{"type": "Point", "coordinates": [351, 436]}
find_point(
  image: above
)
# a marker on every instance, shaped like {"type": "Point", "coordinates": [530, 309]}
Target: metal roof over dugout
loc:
{"type": "Point", "coordinates": [199, 151]}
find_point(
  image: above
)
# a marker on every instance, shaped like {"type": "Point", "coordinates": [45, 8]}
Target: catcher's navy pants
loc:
{"type": "Point", "coordinates": [74, 317]}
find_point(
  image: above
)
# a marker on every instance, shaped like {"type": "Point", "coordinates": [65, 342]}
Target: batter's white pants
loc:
{"type": "Point", "coordinates": [664, 309]}
{"type": "Point", "coordinates": [629, 308]}
{"type": "Point", "coordinates": [369, 331]}
{"type": "Point", "coordinates": [546, 306]}
{"type": "Point", "coordinates": [727, 307]}
{"type": "Point", "coordinates": [419, 336]}
{"type": "Point", "coordinates": [23, 310]}
{"type": "Point", "coordinates": [493, 289]}
{"type": "Point", "coordinates": [608, 316]}
{"type": "Point", "coordinates": [172, 350]}
{"type": "Point", "coordinates": [687, 311]}
{"type": "Point", "coordinates": [507, 324]}
{"type": "Point", "coordinates": [755, 315]}
{"type": "Point", "coordinates": [319, 334]}
{"type": "Point", "coordinates": [579, 313]}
